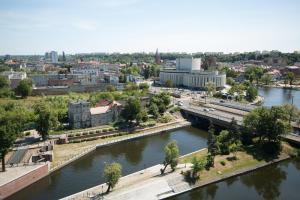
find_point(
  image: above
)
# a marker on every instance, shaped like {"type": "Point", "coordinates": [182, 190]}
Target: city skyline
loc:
{"type": "Point", "coordinates": [127, 26]}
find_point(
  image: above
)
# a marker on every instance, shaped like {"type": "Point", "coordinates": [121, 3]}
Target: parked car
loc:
{"type": "Point", "coordinates": [206, 109]}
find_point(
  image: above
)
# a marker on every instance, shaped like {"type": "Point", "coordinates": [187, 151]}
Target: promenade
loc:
{"type": "Point", "coordinates": [148, 184]}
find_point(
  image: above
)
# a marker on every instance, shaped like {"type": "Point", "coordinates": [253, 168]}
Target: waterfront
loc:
{"type": "Point", "coordinates": [278, 181]}
{"type": "Point", "coordinates": [278, 96]}
{"type": "Point", "coordinates": [134, 156]}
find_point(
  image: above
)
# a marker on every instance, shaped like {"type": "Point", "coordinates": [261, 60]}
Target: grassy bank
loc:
{"type": "Point", "coordinates": [224, 165]}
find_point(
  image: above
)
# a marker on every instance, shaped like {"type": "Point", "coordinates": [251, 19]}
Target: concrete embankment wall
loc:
{"type": "Point", "coordinates": [227, 176]}
{"type": "Point", "coordinates": [23, 181]}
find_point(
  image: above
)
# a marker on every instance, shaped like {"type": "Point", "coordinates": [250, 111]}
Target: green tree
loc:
{"type": "Point", "coordinates": [4, 82]}
{"type": "Point", "coordinates": [143, 86]}
{"type": "Point", "coordinates": [131, 87]}
{"type": "Point", "coordinates": [210, 88]}
{"type": "Point", "coordinates": [110, 88]}
{"type": "Point", "coordinates": [198, 165]}
{"type": "Point", "coordinates": [132, 109]}
{"type": "Point", "coordinates": [266, 78]}
{"type": "Point", "coordinates": [162, 101]}
{"type": "Point", "coordinates": [24, 88]}
{"type": "Point", "coordinates": [251, 93]}
{"type": "Point", "coordinates": [45, 119]}
{"type": "Point", "coordinates": [171, 156]}
{"type": "Point", "coordinates": [169, 83]}
{"type": "Point", "coordinates": [142, 116]}
{"type": "Point", "coordinates": [223, 141]}
{"type": "Point", "coordinates": [212, 145]}
{"type": "Point", "coordinates": [112, 173]}
{"type": "Point", "coordinates": [268, 123]}
{"type": "Point", "coordinates": [153, 110]}
{"type": "Point", "coordinates": [291, 77]}
{"type": "Point", "coordinates": [12, 122]}
{"type": "Point", "coordinates": [254, 73]}
{"type": "Point", "coordinates": [234, 131]}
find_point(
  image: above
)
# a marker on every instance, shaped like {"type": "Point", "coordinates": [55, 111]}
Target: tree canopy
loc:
{"type": "Point", "coordinates": [171, 155]}
{"type": "Point", "coordinates": [268, 123]}
{"type": "Point", "coordinates": [112, 173]}
{"type": "Point", "coordinates": [24, 88]}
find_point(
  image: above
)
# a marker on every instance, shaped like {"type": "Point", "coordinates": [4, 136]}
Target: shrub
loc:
{"type": "Point", "coordinates": [165, 119]}
{"type": "Point", "coordinates": [70, 135]}
{"type": "Point", "coordinates": [104, 130]}
{"type": "Point", "coordinates": [223, 162]}
{"type": "Point", "coordinates": [77, 134]}
{"type": "Point", "coordinates": [27, 133]}
{"type": "Point", "coordinates": [85, 133]}
{"type": "Point", "coordinates": [111, 129]}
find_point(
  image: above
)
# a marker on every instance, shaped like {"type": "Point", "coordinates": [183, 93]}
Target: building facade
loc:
{"type": "Point", "coordinates": [79, 114]}
{"type": "Point", "coordinates": [82, 116]}
{"type": "Point", "coordinates": [188, 73]}
{"type": "Point", "coordinates": [54, 57]}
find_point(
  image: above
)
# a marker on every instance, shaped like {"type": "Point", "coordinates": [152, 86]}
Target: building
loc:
{"type": "Point", "coordinates": [82, 116]}
{"type": "Point", "coordinates": [157, 57]}
{"type": "Point", "coordinates": [14, 77]}
{"type": "Point", "coordinates": [54, 57]}
{"type": "Point", "coordinates": [188, 73]}
{"type": "Point", "coordinates": [79, 114]}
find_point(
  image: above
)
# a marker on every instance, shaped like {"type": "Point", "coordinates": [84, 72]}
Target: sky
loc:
{"type": "Point", "coordinates": [85, 26]}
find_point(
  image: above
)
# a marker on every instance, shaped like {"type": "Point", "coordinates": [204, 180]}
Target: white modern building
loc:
{"type": "Point", "coordinates": [54, 57]}
{"type": "Point", "coordinates": [188, 73]}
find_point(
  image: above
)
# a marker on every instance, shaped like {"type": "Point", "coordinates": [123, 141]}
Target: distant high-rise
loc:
{"type": "Point", "coordinates": [63, 57]}
{"type": "Point", "coordinates": [54, 57]}
{"type": "Point", "coordinates": [157, 57]}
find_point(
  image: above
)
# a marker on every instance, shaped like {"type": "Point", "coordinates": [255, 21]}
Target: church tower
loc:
{"type": "Point", "coordinates": [157, 57]}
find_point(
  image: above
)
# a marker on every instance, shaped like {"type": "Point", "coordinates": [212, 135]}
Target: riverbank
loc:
{"type": "Point", "coordinates": [149, 184]}
{"type": "Point", "coordinates": [64, 154]}
{"type": "Point", "coordinates": [297, 87]}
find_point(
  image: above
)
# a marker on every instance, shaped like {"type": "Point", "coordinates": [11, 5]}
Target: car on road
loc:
{"type": "Point", "coordinates": [211, 109]}
{"type": "Point", "coordinates": [206, 109]}
{"type": "Point", "coordinates": [222, 101]}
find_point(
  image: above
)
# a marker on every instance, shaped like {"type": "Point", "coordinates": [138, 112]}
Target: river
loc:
{"type": "Point", "coordinates": [280, 181]}
{"type": "Point", "coordinates": [134, 156]}
{"type": "Point", "coordinates": [278, 96]}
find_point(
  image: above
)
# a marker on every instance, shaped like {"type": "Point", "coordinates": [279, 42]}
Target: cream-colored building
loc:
{"type": "Point", "coordinates": [188, 73]}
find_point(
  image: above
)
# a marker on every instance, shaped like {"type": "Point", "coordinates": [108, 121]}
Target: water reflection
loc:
{"type": "Point", "coordinates": [134, 156]}
{"type": "Point", "coordinates": [266, 182]}
{"type": "Point", "coordinates": [278, 96]}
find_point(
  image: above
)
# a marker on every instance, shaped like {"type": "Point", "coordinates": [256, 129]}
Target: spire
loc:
{"type": "Point", "coordinates": [157, 57]}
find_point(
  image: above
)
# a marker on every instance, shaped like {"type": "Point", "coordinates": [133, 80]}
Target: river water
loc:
{"type": "Point", "coordinates": [278, 96]}
{"type": "Point", "coordinates": [280, 181]}
{"type": "Point", "coordinates": [134, 156]}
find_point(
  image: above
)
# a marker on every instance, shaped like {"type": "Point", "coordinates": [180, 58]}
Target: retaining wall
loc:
{"type": "Point", "coordinates": [23, 181]}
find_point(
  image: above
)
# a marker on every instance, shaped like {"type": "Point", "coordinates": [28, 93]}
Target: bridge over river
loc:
{"type": "Point", "coordinates": [222, 114]}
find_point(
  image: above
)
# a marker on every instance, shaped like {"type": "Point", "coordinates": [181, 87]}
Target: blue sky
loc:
{"type": "Point", "coordinates": [73, 26]}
